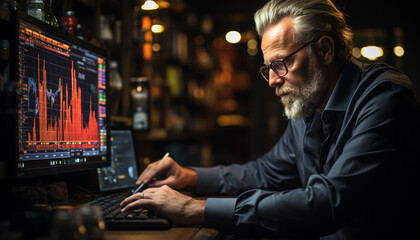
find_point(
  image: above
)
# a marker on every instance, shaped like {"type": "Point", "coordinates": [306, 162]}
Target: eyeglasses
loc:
{"type": "Point", "coordinates": [278, 66]}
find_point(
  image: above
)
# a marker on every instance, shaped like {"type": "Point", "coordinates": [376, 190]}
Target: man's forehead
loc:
{"type": "Point", "coordinates": [278, 38]}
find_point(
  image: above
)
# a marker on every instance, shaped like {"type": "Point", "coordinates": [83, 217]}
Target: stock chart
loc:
{"type": "Point", "coordinates": [60, 103]}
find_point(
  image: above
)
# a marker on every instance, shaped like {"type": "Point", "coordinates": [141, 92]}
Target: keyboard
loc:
{"type": "Point", "coordinates": [140, 219]}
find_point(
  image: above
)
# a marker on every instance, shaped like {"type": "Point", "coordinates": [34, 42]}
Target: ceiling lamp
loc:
{"type": "Point", "coordinates": [372, 52]}
{"type": "Point", "coordinates": [233, 37]}
{"type": "Point", "coordinates": [149, 5]}
{"type": "Point", "coordinates": [399, 51]}
{"type": "Point", "coordinates": [157, 28]}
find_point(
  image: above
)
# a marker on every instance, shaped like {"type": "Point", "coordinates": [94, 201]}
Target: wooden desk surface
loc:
{"type": "Point", "coordinates": [174, 233]}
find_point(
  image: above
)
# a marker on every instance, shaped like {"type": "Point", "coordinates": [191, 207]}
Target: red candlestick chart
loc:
{"type": "Point", "coordinates": [59, 115]}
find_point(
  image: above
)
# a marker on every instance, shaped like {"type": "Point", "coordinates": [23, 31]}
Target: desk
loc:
{"type": "Point", "coordinates": [174, 233]}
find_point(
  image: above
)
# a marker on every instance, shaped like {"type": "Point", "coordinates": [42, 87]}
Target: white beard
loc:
{"type": "Point", "coordinates": [302, 102]}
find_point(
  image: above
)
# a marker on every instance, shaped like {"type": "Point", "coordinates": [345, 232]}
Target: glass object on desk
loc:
{"type": "Point", "coordinates": [140, 102]}
{"type": "Point", "coordinates": [93, 222]}
{"type": "Point", "coordinates": [67, 225]}
{"type": "Point", "coordinates": [35, 8]}
{"type": "Point", "coordinates": [49, 15]}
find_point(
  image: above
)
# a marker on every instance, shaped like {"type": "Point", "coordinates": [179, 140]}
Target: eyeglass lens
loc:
{"type": "Point", "coordinates": [278, 68]}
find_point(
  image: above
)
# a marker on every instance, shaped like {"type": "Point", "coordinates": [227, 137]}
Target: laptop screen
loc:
{"type": "Point", "coordinates": [122, 173]}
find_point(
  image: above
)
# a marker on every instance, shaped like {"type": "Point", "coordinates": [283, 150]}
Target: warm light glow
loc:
{"type": "Point", "coordinates": [147, 51]}
{"type": "Point", "coordinates": [101, 225]}
{"type": "Point", "coordinates": [372, 52]}
{"type": "Point", "coordinates": [157, 28]}
{"type": "Point", "coordinates": [233, 37]}
{"type": "Point", "coordinates": [146, 160]}
{"type": "Point", "coordinates": [252, 44]}
{"type": "Point", "coordinates": [149, 5]}
{"type": "Point", "coordinates": [163, 4]}
{"type": "Point", "coordinates": [252, 52]}
{"type": "Point", "coordinates": [156, 47]}
{"type": "Point", "coordinates": [399, 51]}
{"type": "Point", "coordinates": [82, 229]}
{"type": "Point", "coordinates": [146, 23]}
{"type": "Point", "coordinates": [356, 52]}
{"type": "Point", "coordinates": [252, 47]}
{"type": "Point", "coordinates": [231, 120]}
{"type": "Point", "coordinates": [198, 93]}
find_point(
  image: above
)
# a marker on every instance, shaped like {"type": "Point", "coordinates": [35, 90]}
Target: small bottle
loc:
{"type": "Point", "coordinates": [140, 101]}
{"type": "Point", "coordinates": [35, 8]}
{"type": "Point", "coordinates": [69, 22]}
{"type": "Point", "coordinates": [79, 32]}
{"type": "Point", "coordinates": [49, 15]}
{"type": "Point", "coordinates": [106, 32]}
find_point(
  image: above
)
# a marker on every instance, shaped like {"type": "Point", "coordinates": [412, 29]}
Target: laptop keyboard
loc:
{"type": "Point", "coordinates": [140, 219]}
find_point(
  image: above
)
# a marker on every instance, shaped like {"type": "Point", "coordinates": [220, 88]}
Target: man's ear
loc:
{"type": "Point", "coordinates": [326, 49]}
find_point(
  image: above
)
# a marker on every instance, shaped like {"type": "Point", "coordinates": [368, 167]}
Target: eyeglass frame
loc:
{"type": "Point", "coordinates": [282, 60]}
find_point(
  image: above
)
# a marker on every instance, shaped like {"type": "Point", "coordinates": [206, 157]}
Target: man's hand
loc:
{"type": "Point", "coordinates": [175, 176]}
{"type": "Point", "coordinates": [169, 203]}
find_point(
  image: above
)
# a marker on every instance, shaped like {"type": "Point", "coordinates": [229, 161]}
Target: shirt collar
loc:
{"type": "Point", "coordinates": [345, 87]}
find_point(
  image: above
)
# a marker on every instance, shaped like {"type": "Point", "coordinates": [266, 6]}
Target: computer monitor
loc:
{"type": "Point", "coordinates": [62, 109]}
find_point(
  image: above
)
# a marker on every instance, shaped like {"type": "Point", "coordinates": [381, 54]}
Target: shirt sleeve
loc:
{"type": "Point", "coordinates": [220, 212]}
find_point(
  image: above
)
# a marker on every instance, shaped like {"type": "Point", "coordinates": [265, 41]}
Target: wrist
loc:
{"type": "Point", "coordinates": [195, 211]}
{"type": "Point", "coordinates": [192, 178]}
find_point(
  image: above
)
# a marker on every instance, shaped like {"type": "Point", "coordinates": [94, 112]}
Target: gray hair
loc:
{"type": "Point", "coordinates": [311, 18]}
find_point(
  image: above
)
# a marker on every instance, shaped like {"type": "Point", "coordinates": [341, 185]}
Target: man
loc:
{"type": "Point", "coordinates": [342, 169]}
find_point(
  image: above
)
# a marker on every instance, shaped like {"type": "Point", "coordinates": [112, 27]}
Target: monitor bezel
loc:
{"type": "Point", "coordinates": [16, 18]}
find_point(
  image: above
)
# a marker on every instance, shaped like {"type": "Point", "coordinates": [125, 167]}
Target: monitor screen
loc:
{"type": "Point", "coordinates": [62, 123]}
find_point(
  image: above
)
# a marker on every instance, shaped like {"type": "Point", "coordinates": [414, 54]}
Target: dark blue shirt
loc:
{"type": "Point", "coordinates": [343, 174]}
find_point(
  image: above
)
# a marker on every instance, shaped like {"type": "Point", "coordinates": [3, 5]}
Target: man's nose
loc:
{"type": "Point", "coordinates": [274, 79]}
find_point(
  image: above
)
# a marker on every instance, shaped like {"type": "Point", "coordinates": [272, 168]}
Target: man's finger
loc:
{"type": "Point", "coordinates": [144, 174]}
{"type": "Point", "coordinates": [167, 181]}
{"type": "Point", "coordinates": [141, 203]}
{"type": "Point", "coordinates": [130, 199]}
{"type": "Point", "coordinates": [150, 172]}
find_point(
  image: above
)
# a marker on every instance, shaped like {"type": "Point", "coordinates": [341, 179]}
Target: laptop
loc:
{"type": "Point", "coordinates": [123, 172]}
{"type": "Point", "coordinates": [118, 181]}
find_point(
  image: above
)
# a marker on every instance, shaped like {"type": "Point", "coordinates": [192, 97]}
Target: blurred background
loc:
{"type": "Point", "coordinates": [208, 103]}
